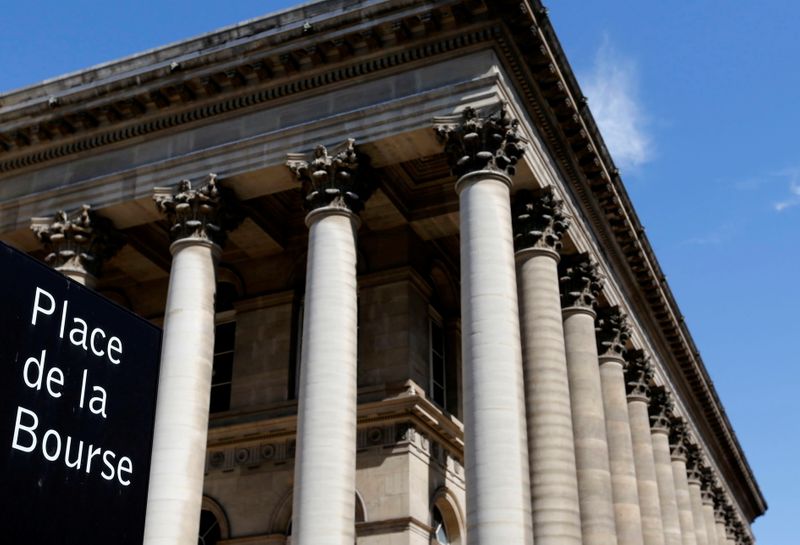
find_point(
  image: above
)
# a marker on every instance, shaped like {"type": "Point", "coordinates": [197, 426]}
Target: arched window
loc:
{"type": "Point", "coordinates": [213, 523]}
{"type": "Point", "coordinates": [439, 534]}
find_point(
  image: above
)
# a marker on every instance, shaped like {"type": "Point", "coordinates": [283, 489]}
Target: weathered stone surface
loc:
{"type": "Point", "coordinates": [539, 219]}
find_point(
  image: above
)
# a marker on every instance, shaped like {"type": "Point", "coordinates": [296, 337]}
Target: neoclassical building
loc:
{"type": "Point", "coordinates": [405, 296]}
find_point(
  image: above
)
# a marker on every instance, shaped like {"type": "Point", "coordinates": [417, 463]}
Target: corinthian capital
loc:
{"type": "Point", "coordinates": [694, 463]}
{"type": "Point", "coordinates": [206, 212]}
{"type": "Point", "coordinates": [678, 438]}
{"type": "Point", "coordinates": [613, 332]}
{"type": "Point", "coordinates": [660, 409]}
{"type": "Point", "coordinates": [580, 281]}
{"type": "Point", "coordinates": [638, 376]}
{"type": "Point", "coordinates": [339, 178]}
{"type": "Point", "coordinates": [79, 242]}
{"type": "Point", "coordinates": [477, 141]}
{"type": "Point", "coordinates": [539, 220]}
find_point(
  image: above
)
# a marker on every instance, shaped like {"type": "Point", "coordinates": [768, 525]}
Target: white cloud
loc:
{"type": "Point", "coordinates": [793, 175]}
{"type": "Point", "coordinates": [611, 88]}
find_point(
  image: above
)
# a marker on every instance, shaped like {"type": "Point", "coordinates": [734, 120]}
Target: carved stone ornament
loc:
{"type": "Point", "coordinates": [678, 437]}
{"type": "Point", "coordinates": [207, 212]}
{"type": "Point", "coordinates": [720, 503]}
{"type": "Point", "coordinates": [538, 219]}
{"type": "Point", "coordinates": [708, 484]}
{"type": "Point", "coordinates": [660, 408]}
{"type": "Point", "coordinates": [613, 332]}
{"type": "Point", "coordinates": [580, 281]}
{"type": "Point", "coordinates": [694, 463]}
{"type": "Point", "coordinates": [82, 241]}
{"type": "Point", "coordinates": [340, 178]}
{"type": "Point", "coordinates": [474, 141]}
{"type": "Point", "coordinates": [638, 375]}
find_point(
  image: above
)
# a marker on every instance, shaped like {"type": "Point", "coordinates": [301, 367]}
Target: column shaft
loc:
{"type": "Point", "coordinates": [721, 533]}
{"type": "Point", "coordinates": [646, 478]}
{"type": "Point", "coordinates": [666, 488]}
{"type": "Point", "coordinates": [498, 492]}
{"type": "Point", "coordinates": [698, 517]}
{"type": "Point", "coordinates": [554, 483]}
{"type": "Point", "coordinates": [710, 525]}
{"type": "Point", "coordinates": [181, 425]}
{"type": "Point", "coordinates": [325, 462]}
{"type": "Point", "coordinates": [684, 502]}
{"type": "Point", "coordinates": [589, 426]}
{"type": "Point", "coordinates": [627, 512]}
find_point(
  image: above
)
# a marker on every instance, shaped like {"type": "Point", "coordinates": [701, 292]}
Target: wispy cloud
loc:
{"type": "Point", "coordinates": [792, 175]}
{"type": "Point", "coordinates": [611, 87]}
{"type": "Point", "coordinates": [715, 237]}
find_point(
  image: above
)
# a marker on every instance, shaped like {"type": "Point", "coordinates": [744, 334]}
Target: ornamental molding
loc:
{"type": "Point", "coordinates": [638, 376]}
{"type": "Point", "coordinates": [661, 408]}
{"type": "Point", "coordinates": [486, 139]}
{"type": "Point", "coordinates": [581, 281]}
{"type": "Point", "coordinates": [678, 438]}
{"type": "Point", "coordinates": [694, 463]}
{"type": "Point", "coordinates": [538, 219]}
{"type": "Point", "coordinates": [340, 179]}
{"type": "Point", "coordinates": [613, 333]}
{"type": "Point", "coordinates": [206, 212]}
{"type": "Point", "coordinates": [81, 241]}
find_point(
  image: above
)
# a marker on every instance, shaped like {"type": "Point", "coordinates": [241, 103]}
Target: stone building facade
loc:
{"type": "Point", "coordinates": [412, 304]}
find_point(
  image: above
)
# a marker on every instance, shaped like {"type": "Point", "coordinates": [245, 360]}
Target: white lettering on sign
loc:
{"type": "Point", "coordinates": [26, 440]}
{"type": "Point", "coordinates": [40, 373]}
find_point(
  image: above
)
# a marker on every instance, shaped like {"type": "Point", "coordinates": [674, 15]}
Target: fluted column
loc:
{"type": "Point", "coordinates": [660, 413]}
{"type": "Point", "coordinates": [580, 285]}
{"type": "Point", "coordinates": [483, 148]}
{"type": "Point", "coordinates": [612, 334]}
{"type": "Point", "coordinates": [77, 245]}
{"type": "Point", "coordinates": [678, 441]}
{"type": "Point", "coordinates": [693, 476]}
{"type": "Point", "coordinates": [335, 187]}
{"type": "Point", "coordinates": [639, 376]}
{"type": "Point", "coordinates": [198, 220]}
{"type": "Point", "coordinates": [539, 224]}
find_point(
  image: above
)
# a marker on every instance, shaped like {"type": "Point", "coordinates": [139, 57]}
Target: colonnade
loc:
{"type": "Point", "coordinates": [568, 440]}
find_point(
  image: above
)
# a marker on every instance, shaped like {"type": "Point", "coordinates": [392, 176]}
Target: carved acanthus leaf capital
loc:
{"type": "Point", "coordinates": [720, 503]}
{"type": "Point", "coordinates": [539, 220]}
{"type": "Point", "coordinates": [485, 140]}
{"type": "Point", "coordinates": [207, 212]}
{"type": "Point", "coordinates": [580, 281]}
{"type": "Point", "coordinates": [678, 438]}
{"type": "Point", "coordinates": [81, 241]}
{"type": "Point", "coordinates": [694, 463]}
{"type": "Point", "coordinates": [708, 483]}
{"type": "Point", "coordinates": [340, 178]}
{"type": "Point", "coordinates": [660, 408]}
{"type": "Point", "coordinates": [613, 332]}
{"type": "Point", "coordinates": [638, 375]}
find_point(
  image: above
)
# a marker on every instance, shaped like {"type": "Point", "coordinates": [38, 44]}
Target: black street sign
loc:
{"type": "Point", "coordinates": [78, 381]}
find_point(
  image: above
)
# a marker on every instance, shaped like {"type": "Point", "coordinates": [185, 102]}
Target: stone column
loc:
{"type": "Point", "coordinates": [198, 220]}
{"type": "Point", "coordinates": [482, 149]}
{"type": "Point", "coordinates": [693, 476]}
{"type": "Point", "coordinates": [612, 335]}
{"type": "Point", "coordinates": [660, 415]}
{"type": "Point", "coordinates": [720, 508]}
{"type": "Point", "coordinates": [707, 485]}
{"type": "Point", "coordinates": [77, 245]}
{"type": "Point", "coordinates": [335, 187]}
{"type": "Point", "coordinates": [539, 225]}
{"type": "Point", "coordinates": [678, 440]}
{"type": "Point", "coordinates": [580, 285]}
{"type": "Point", "coordinates": [639, 376]}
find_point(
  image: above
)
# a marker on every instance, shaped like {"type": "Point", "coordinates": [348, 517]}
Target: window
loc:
{"type": "Point", "coordinates": [224, 341]}
{"type": "Point", "coordinates": [439, 533]}
{"type": "Point", "coordinates": [438, 381]}
{"type": "Point", "coordinates": [210, 531]}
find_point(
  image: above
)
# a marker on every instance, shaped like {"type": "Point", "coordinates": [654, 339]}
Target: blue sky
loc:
{"type": "Point", "coordinates": [698, 104]}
